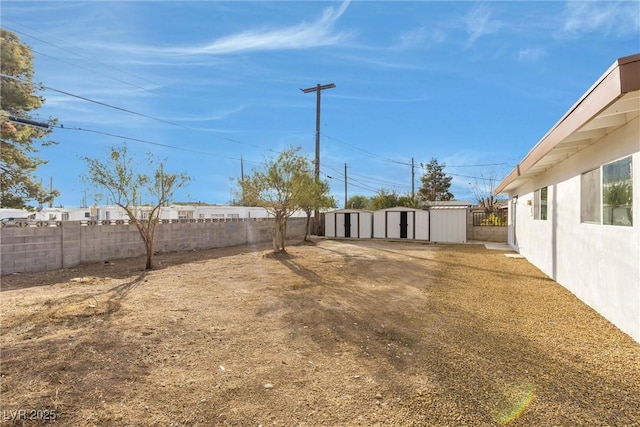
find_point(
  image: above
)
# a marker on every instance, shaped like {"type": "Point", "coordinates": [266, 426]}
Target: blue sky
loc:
{"type": "Point", "coordinates": [205, 83]}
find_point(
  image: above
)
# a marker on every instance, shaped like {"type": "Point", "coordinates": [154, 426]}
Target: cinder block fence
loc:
{"type": "Point", "coordinates": [487, 231]}
{"type": "Point", "coordinates": [64, 244]}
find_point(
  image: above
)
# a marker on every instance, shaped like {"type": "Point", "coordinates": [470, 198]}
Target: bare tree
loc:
{"type": "Point", "coordinates": [482, 189]}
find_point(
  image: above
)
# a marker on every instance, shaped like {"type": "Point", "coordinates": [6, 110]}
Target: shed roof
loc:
{"type": "Point", "coordinates": [348, 211]}
{"type": "Point", "coordinates": [399, 209]}
{"type": "Point", "coordinates": [449, 204]}
{"type": "Point", "coordinates": [612, 102]}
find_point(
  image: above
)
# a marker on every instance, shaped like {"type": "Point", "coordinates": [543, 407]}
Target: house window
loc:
{"type": "Point", "coordinates": [64, 216]}
{"type": "Point", "coordinates": [617, 193]}
{"type": "Point", "coordinates": [606, 194]}
{"type": "Point", "coordinates": [87, 214]}
{"type": "Point", "coordinates": [540, 204]}
{"type": "Point", "coordinates": [590, 196]}
{"type": "Point", "coordinates": [185, 214]}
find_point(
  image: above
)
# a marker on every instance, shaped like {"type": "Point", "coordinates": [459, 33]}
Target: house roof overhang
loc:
{"type": "Point", "coordinates": [610, 103]}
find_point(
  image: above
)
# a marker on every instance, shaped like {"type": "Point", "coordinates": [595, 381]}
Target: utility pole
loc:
{"type": "Point", "coordinates": [163, 202]}
{"type": "Point", "coordinates": [318, 89]}
{"type": "Point", "coordinates": [345, 186]}
{"type": "Point", "coordinates": [242, 178]}
{"type": "Point", "coordinates": [413, 180]}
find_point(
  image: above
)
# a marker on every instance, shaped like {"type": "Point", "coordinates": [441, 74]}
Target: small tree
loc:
{"type": "Point", "coordinates": [409, 202]}
{"type": "Point", "coordinates": [119, 176]}
{"type": "Point", "coordinates": [313, 195]}
{"type": "Point", "coordinates": [384, 199]}
{"type": "Point", "coordinates": [277, 188]}
{"type": "Point", "coordinates": [390, 198]}
{"type": "Point", "coordinates": [435, 183]}
{"type": "Point", "coordinates": [358, 202]}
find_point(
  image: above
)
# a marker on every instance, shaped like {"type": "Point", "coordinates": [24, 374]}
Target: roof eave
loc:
{"type": "Point", "coordinates": [621, 78]}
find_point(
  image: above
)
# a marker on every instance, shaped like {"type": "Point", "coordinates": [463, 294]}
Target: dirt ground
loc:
{"type": "Point", "coordinates": [336, 333]}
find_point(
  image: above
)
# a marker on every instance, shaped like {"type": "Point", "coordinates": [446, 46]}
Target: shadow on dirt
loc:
{"type": "Point", "coordinates": [122, 268]}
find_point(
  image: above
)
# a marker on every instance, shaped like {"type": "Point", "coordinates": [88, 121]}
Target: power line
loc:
{"type": "Point", "coordinates": [70, 51]}
{"type": "Point", "coordinates": [104, 104]}
{"type": "Point", "coordinates": [113, 78]}
{"type": "Point", "coordinates": [143, 141]}
{"type": "Point", "coordinates": [472, 177]}
{"type": "Point", "coordinates": [95, 72]}
{"type": "Point", "coordinates": [476, 166]}
{"type": "Point", "coordinates": [365, 151]}
{"type": "Point", "coordinates": [387, 159]}
{"type": "Point", "coordinates": [366, 188]}
{"type": "Point", "coordinates": [378, 180]}
{"type": "Point", "coordinates": [358, 183]}
{"type": "Point", "coordinates": [132, 112]}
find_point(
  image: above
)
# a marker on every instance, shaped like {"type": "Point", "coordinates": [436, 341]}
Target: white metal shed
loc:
{"type": "Point", "coordinates": [448, 221]}
{"type": "Point", "coordinates": [349, 223]}
{"type": "Point", "coordinates": [401, 223]}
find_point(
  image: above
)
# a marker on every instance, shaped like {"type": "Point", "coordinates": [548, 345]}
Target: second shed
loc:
{"type": "Point", "coordinates": [349, 223]}
{"type": "Point", "coordinates": [401, 223]}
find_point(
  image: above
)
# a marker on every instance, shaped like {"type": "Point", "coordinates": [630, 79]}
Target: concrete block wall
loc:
{"type": "Point", "coordinates": [70, 243]}
{"type": "Point", "coordinates": [107, 242]}
{"type": "Point", "coordinates": [485, 233]}
{"type": "Point", "coordinates": [23, 245]}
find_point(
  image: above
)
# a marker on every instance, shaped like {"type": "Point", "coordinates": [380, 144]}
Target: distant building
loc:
{"type": "Point", "coordinates": [114, 213]}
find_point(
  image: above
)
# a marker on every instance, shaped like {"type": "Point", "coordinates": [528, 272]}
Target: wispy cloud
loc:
{"type": "Point", "coordinates": [382, 61]}
{"type": "Point", "coordinates": [611, 17]}
{"type": "Point", "coordinates": [301, 36]}
{"type": "Point", "coordinates": [479, 22]}
{"type": "Point", "coordinates": [531, 54]}
{"type": "Point", "coordinates": [380, 99]}
{"type": "Point", "coordinates": [220, 115]}
{"type": "Point", "coordinates": [420, 37]}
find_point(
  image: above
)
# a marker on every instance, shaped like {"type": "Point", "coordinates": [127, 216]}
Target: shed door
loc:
{"type": "Point", "coordinates": [347, 225]}
{"type": "Point", "coordinates": [404, 223]}
{"type": "Point", "coordinates": [392, 224]}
